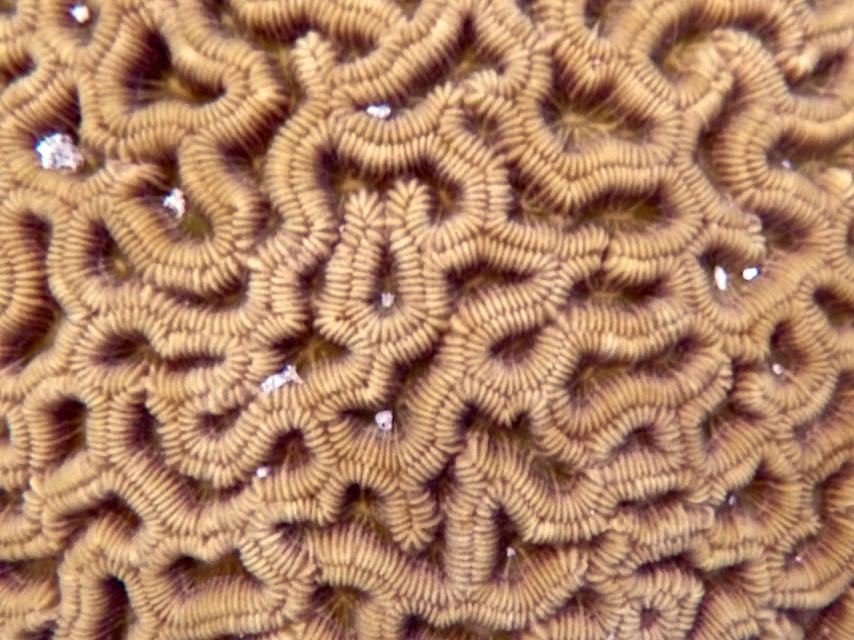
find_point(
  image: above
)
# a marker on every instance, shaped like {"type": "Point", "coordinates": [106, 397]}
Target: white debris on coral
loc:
{"type": "Point", "coordinates": [176, 202]}
{"type": "Point", "coordinates": [386, 299]}
{"type": "Point", "coordinates": [384, 420]}
{"type": "Point", "coordinates": [283, 377]}
{"type": "Point", "coordinates": [511, 552]}
{"type": "Point", "coordinates": [731, 500]}
{"type": "Point", "coordinates": [262, 472]}
{"type": "Point", "coordinates": [80, 12]}
{"type": "Point", "coordinates": [786, 163]}
{"type": "Point", "coordinates": [58, 151]}
{"type": "Point", "coordinates": [720, 277]}
{"type": "Point", "coordinates": [749, 273]}
{"type": "Point", "coordinates": [777, 369]}
{"type": "Point", "coordinates": [380, 111]}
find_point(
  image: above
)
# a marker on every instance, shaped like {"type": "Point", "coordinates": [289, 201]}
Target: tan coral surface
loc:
{"type": "Point", "coordinates": [595, 258]}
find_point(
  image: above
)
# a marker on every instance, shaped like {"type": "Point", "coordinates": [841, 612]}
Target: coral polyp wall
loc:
{"type": "Point", "coordinates": [446, 319]}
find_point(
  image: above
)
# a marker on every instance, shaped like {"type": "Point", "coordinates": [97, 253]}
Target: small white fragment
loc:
{"type": "Point", "coordinates": [57, 151]}
{"type": "Point", "coordinates": [176, 202]}
{"type": "Point", "coordinates": [786, 163]}
{"type": "Point", "coordinates": [380, 111]}
{"type": "Point", "coordinates": [80, 12]}
{"type": "Point", "coordinates": [384, 420]}
{"type": "Point", "coordinates": [291, 375]}
{"type": "Point", "coordinates": [799, 559]}
{"type": "Point", "coordinates": [262, 472]}
{"type": "Point", "coordinates": [750, 272]}
{"type": "Point", "coordinates": [777, 369]}
{"type": "Point", "coordinates": [272, 382]}
{"type": "Point", "coordinates": [386, 299]}
{"type": "Point", "coordinates": [283, 377]}
{"type": "Point", "coordinates": [731, 500]}
{"type": "Point", "coordinates": [511, 552]}
{"type": "Point", "coordinates": [720, 277]}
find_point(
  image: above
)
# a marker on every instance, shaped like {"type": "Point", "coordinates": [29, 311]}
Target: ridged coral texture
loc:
{"type": "Point", "coordinates": [446, 320]}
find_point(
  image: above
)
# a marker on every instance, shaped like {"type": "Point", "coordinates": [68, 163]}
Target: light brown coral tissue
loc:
{"type": "Point", "coordinates": [438, 319]}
